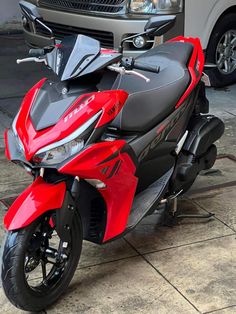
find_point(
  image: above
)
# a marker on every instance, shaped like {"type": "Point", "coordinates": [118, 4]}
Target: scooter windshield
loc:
{"type": "Point", "coordinates": [70, 58]}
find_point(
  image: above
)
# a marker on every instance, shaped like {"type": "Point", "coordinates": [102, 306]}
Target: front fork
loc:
{"type": "Point", "coordinates": [64, 215]}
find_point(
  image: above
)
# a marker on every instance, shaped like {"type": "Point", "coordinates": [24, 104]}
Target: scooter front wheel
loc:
{"type": "Point", "coordinates": [37, 266]}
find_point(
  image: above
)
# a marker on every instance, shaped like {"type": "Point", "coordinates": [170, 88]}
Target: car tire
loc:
{"type": "Point", "coordinates": [220, 51]}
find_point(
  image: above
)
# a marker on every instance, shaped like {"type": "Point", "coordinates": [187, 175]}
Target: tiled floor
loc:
{"type": "Point", "coordinates": [188, 268]}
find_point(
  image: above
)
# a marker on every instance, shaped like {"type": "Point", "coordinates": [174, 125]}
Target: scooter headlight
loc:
{"type": "Point", "coordinates": [58, 152]}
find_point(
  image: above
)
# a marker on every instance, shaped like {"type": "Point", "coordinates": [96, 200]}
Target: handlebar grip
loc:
{"type": "Point", "coordinates": [36, 52]}
{"type": "Point", "coordinates": [145, 67]}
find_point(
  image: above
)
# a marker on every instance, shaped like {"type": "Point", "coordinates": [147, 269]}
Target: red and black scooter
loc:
{"type": "Point", "coordinates": [106, 144]}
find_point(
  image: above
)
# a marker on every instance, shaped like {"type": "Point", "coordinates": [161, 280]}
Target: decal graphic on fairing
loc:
{"type": "Point", "coordinates": [162, 131]}
{"type": "Point", "coordinates": [81, 106]}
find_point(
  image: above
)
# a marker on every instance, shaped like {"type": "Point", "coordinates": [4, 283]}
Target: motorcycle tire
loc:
{"type": "Point", "coordinates": [23, 254]}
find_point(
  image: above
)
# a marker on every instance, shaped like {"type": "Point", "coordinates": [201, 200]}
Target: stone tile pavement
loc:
{"type": "Point", "coordinates": [189, 268]}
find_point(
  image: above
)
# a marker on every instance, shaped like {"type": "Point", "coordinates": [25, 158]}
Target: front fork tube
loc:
{"type": "Point", "coordinates": [64, 216]}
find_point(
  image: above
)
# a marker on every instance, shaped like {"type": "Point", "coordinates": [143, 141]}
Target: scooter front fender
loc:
{"type": "Point", "coordinates": [36, 200]}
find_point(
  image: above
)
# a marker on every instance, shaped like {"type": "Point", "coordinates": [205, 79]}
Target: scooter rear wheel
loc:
{"type": "Point", "coordinates": [37, 266]}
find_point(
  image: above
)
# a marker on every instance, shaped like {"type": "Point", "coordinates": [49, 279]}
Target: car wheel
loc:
{"type": "Point", "coordinates": [222, 52]}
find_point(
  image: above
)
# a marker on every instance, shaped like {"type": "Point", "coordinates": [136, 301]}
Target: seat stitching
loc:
{"type": "Point", "coordinates": [149, 90]}
{"type": "Point", "coordinates": [171, 83]}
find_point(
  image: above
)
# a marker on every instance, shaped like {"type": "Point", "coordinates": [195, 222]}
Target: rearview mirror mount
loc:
{"type": "Point", "coordinates": [30, 11]}
{"type": "Point", "coordinates": [156, 26]}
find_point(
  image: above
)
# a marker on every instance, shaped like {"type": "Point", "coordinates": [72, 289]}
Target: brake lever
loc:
{"type": "Point", "coordinates": [132, 72]}
{"type": "Point", "coordinates": [123, 71]}
{"type": "Point", "coordinates": [32, 59]}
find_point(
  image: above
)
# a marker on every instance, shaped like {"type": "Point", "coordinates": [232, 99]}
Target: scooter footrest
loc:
{"type": "Point", "coordinates": [145, 200]}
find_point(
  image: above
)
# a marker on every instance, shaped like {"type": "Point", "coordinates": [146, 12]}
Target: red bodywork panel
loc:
{"type": "Point", "coordinates": [37, 199]}
{"type": "Point", "coordinates": [84, 108]}
{"type": "Point", "coordinates": [108, 51]}
{"type": "Point", "coordinates": [108, 162]}
{"type": "Point", "coordinates": [118, 173]}
{"type": "Point", "coordinates": [195, 67]}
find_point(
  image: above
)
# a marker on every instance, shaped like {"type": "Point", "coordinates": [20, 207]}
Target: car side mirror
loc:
{"type": "Point", "coordinates": [159, 25]}
{"type": "Point", "coordinates": [29, 10]}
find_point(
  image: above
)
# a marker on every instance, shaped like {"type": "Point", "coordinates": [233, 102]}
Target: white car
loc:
{"type": "Point", "coordinates": [213, 21]}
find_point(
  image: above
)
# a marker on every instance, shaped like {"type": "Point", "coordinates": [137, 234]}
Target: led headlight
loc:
{"type": "Point", "coordinates": [156, 6]}
{"type": "Point", "coordinates": [19, 142]}
{"type": "Point", "coordinates": [58, 152]}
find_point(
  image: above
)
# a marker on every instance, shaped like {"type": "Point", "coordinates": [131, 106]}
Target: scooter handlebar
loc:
{"type": "Point", "coordinates": [145, 67]}
{"type": "Point", "coordinates": [130, 63]}
{"type": "Point", "coordinates": [36, 52]}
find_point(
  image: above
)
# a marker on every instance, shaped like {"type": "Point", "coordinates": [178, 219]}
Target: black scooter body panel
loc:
{"type": "Point", "coordinates": [50, 103]}
{"type": "Point", "coordinates": [156, 149]}
{"type": "Point", "coordinates": [204, 130]}
{"type": "Point", "coordinates": [198, 153]}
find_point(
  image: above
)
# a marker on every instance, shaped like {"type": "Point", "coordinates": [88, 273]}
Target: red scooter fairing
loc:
{"type": "Point", "coordinates": [36, 200]}
{"type": "Point", "coordinates": [30, 204]}
{"type": "Point", "coordinates": [110, 163]}
{"type": "Point", "coordinates": [195, 66]}
{"type": "Point", "coordinates": [84, 107]}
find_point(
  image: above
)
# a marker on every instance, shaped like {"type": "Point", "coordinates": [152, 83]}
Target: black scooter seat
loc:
{"type": "Point", "coordinates": [150, 103]}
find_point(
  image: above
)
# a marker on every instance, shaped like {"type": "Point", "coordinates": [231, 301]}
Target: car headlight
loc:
{"type": "Point", "coordinates": [156, 6]}
{"type": "Point", "coordinates": [58, 152]}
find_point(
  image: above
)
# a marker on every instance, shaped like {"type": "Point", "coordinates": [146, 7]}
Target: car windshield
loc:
{"type": "Point", "coordinates": [73, 55]}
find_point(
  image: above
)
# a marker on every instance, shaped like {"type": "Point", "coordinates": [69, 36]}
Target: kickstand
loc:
{"type": "Point", "coordinates": [172, 216]}
{"type": "Point", "coordinates": [207, 216]}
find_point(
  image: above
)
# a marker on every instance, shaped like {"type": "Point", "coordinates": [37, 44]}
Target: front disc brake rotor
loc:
{"type": "Point", "coordinates": [32, 262]}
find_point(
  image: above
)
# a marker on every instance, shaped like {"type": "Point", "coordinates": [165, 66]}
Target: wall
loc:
{"type": "Point", "coordinates": [9, 11]}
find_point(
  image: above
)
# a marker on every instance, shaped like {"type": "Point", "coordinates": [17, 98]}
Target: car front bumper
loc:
{"type": "Point", "coordinates": [118, 26]}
